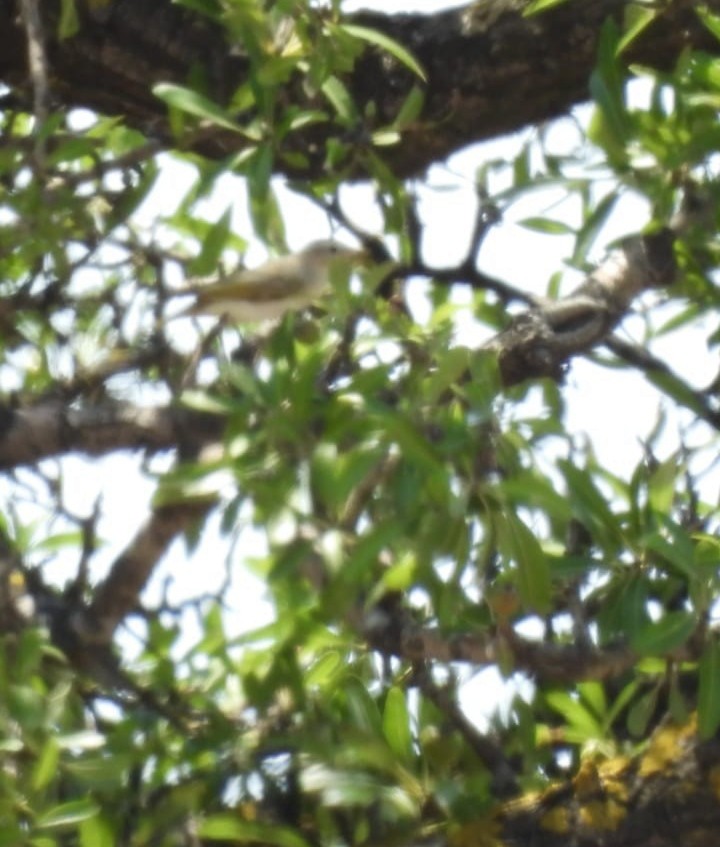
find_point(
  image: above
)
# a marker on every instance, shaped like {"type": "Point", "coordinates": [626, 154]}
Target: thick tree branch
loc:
{"type": "Point", "coordinates": [394, 633]}
{"type": "Point", "coordinates": [539, 342]}
{"type": "Point", "coordinates": [53, 428]}
{"type": "Point", "coordinates": [490, 70]}
{"type": "Point", "coordinates": [661, 798]}
{"type": "Point", "coordinates": [37, 60]}
{"type": "Point", "coordinates": [119, 593]}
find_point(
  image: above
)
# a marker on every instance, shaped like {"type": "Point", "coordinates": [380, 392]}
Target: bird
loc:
{"type": "Point", "coordinates": [282, 284]}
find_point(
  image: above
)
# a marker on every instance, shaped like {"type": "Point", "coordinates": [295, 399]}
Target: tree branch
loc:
{"type": "Point", "coordinates": [54, 428]}
{"type": "Point", "coordinates": [396, 634]}
{"type": "Point", "coordinates": [490, 71]}
{"type": "Point", "coordinates": [663, 797]}
{"type": "Point", "coordinates": [37, 60]}
{"type": "Point", "coordinates": [539, 342]}
{"type": "Point", "coordinates": [119, 593]}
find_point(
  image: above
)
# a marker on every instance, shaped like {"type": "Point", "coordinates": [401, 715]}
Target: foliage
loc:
{"type": "Point", "coordinates": [374, 472]}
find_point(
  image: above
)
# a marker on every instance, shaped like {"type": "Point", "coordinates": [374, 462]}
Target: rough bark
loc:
{"type": "Point", "coordinates": [50, 429]}
{"type": "Point", "coordinates": [489, 70]}
{"type": "Point", "coordinates": [666, 796]}
{"type": "Point", "coordinates": [539, 342]}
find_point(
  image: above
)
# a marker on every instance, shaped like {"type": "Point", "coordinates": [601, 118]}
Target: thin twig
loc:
{"type": "Point", "coordinates": [37, 65]}
{"type": "Point", "coordinates": [697, 401]}
{"type": "Point", "coordinates": [132, 159]}
{"type": "Point", "coordinates": [488, 214]}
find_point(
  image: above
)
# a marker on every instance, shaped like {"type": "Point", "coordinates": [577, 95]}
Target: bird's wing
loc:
{"type": "Point", "coordinates": [256, 286]}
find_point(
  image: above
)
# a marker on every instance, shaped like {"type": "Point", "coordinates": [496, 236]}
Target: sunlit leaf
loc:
{"type": "Point", "coordinates": [396, 723]}
{"type": "Point", "coordinates": [338, 94]}
{"type": "Point", "coordinates": [196, 104]}
{"type": "Point", "coordinates": [97, 832]}
{"type": "Point", "coordinates": [411, 108]}
{"type": "Point", "coordinates": [712, 22]}
{"type": "Point", "coordinates": [67, 815]}
{"type": "Point", "coordinates": [213, 245]}
{"type": "Point", "coordinates": [638, 16]}
{"type": "Point", "coordinates": [69, 22]}
{"type": "Point", "coordinates": [380, 39]}
{"type": "Point", "coordinates": [641, 712]}
{"type": "Point", "coordinates": [546, 226]}
{"type": "Point", "coordinates": [667, 634]}
{"type": "Point", "coordinates": [709, 689]}
{"type": "Point", "coordinates": [579, 718]}
{"type": "Point", "coordinates": [227, 827]}
{"type": "Point", "coordinates": [517, 542]}
{"type": "Point", "coordinates": [536, 6]}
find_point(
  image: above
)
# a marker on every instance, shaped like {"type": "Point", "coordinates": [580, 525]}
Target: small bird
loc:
{"type": "Point", "coordinates": [280, 285]}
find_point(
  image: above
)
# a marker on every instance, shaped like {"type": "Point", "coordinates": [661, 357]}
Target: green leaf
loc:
{"type": "Point", "coordinates": [712, 22]}
{"type": "Point", "coordinates": [194, 103]}
{"type": "Point", "coordinates": [641, 711]}
{"type": "Point", "coordinates": [546, 226]}
{"type": "Point", "coordinates": [26, 706]}
{"type": "Point", "coordinates": [336, 475]}
{"type": "Point", "coordinates": [213, 244]}
{"type": "Point", "coordinates": [362, 707]}
{"type": "Point", "coordinates": [46, 766]}
{"type": "Point", "coordinates": [396, 723]}
{"type": "Point", "coordinates": [583, 724]}
{"type": "Point", "coordinates": [451, 365]}
{"type": "Point", "coordinates": [661, 485]}
{"type": "Point", "coordinates": [379, 39]}
{"type": "Point", "coordinates": [621, 701]}
{"type": "Point", "coordinates": [229, 827]}
{"type": "Point", "coordinates": [520, 545]}
{"type": "Point", "coordinates": [12, 835]}
{"type": "Point", "coordinates": [677, 550]}
{"type": "Point", "coordinates": [258, 169]}
{"type": "Point", "coordinates": [593, 225]}
{"type": "Point", "coordinates": [677, 705]}
{"type": "Point", "coordinates": [623, 610]}
{"type": "Point", "coordinates": [339, 96]}
{"type": "Point", "coordinates": [665, 635]}
{"type": "Point", "coordinates": [593, 693]}
{"type": "Point", "coordinates": [540, 6]}
{"type": "Point", "coordinates": [385, 138]}
{"type": "Point", "coordinates": [611, 127]}
{"type": "Point", "coordinates": [264, 207]}
{"type": "Point", "coordinates": [411, 108]}
{"type": "Point", "coordinates": [400, 430]}
{"type": "Point", "coordinates": [97, 832]}
{"type": "Point", "coordinates": [59, 541]}
{"type": "Point", "coordinates": [325, 670]}
{"type": "Point", "coordinates": [344, 788]}
{"type": "Point", "coordinates": [709, 690]}
{"type": "Point", "coordinates": [589, 505]}
{"type": "Point", "coordinates": [85, 739]}
{"type": "Point", "coordinates": [401, 575]}
{"type": "Point", "coordinates": [637, 18]}
{"type": "Point", "coordinates": [69, 23]}
{"type": "Point", "coordinates": [67, 815]}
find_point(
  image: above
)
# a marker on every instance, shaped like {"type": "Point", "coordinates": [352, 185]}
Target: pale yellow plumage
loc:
{"type": "Point", "coordinates": [280, 285]}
